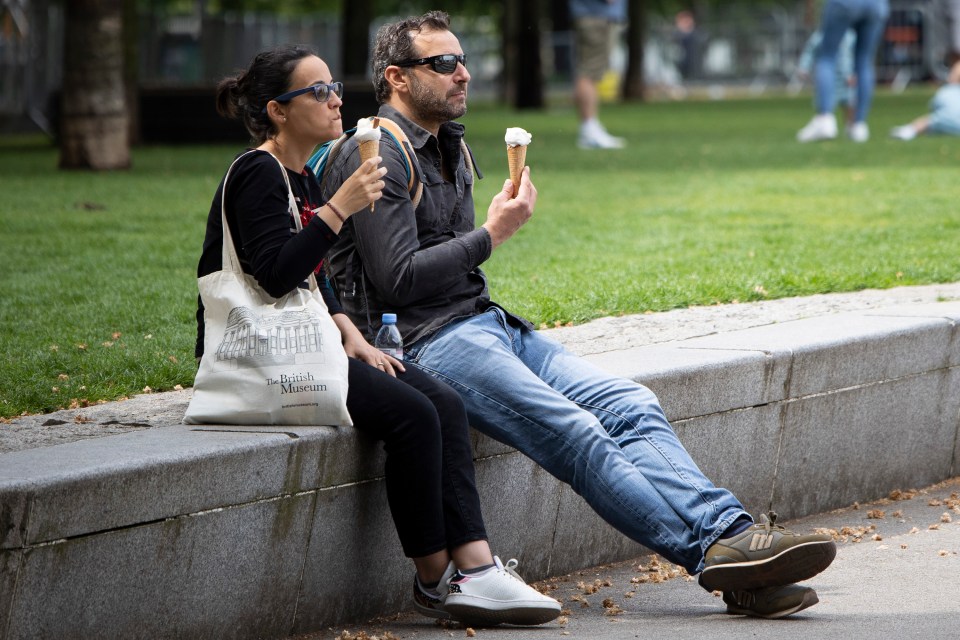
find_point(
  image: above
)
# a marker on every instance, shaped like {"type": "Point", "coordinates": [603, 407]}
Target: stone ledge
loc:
{"type": "Point", "coordinates": [171, 530]}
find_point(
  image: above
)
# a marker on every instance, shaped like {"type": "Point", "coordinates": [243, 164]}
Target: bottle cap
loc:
{"type": "Point", "coordinates": [389, 318]}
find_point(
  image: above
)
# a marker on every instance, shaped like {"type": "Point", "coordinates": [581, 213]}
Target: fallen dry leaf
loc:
{"type": "Point", "coordinates": [897, 494]}
{"type": "Point", "coordinates": [611, 608]}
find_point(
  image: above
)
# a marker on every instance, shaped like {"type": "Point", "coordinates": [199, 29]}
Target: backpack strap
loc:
{"type": "Point", "coordinates": [329, 150]}
{"type": "Point", "coordinates": [325, 154]}
{"type": "Point", "coordinates": [468, 159]}
{"type": "Point", "coordinates": [400, 139]}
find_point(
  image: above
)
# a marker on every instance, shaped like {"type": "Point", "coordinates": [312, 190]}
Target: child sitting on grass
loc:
{"type": "Point", "coordinates": [944, 116]}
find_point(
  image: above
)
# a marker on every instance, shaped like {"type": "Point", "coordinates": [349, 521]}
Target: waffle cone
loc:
{"type": "Point", "coordinates": [369, 149]}
{"type": "Point", "coordinates": [516, 158]}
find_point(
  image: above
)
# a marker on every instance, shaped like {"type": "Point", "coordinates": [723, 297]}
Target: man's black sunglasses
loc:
{"type": "Point", "coordinates": [321, 92]}
{"type": "Point", "coordinates": [445, 63]}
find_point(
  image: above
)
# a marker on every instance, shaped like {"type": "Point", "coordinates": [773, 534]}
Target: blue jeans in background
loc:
{"type": "Point", "coordinates": [867, 19]}
{"type": "Point", "coordinates": [607, 437]}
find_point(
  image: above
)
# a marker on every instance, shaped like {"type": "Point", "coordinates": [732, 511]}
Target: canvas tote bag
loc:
{"type": "Point", "coordinates": [266, 360]}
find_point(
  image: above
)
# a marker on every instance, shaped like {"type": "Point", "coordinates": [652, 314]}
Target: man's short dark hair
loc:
{"type": "Point", "coordinates": [394, 43]}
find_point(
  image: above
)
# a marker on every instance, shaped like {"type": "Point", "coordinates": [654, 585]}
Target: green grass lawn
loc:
{"type": "Point", "coordinates": [711, 202]}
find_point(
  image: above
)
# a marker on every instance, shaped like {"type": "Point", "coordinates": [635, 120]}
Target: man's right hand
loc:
{"type": "Point", "coordinates": [507, 214]}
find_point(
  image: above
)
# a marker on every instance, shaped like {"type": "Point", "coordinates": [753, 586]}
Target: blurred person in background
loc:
{"type": "Point", "coordinates": [595, 24]}
{"type": "Point", "coordinates": [867, 19]}
{"type": "Point", "coordinates": [944, 116]}
{"type": "Point", "coordinates": [845, 80]}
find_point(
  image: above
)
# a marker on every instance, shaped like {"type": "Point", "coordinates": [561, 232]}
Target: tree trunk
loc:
{"type": "Point", "coordinates": [562, 23]}
{"type": "Point", "coordinates": [634, 85]}
{"type": "Point", "coordinates": [529, 70]}
{"type": "Point", "coordinates": [94, 126]}
{"type": "Point", "coordinates": [131, 68]}
{"type": "Point", "coordinates": [355, 37]}
{"type": "Point", "coordinates": [508, 47]}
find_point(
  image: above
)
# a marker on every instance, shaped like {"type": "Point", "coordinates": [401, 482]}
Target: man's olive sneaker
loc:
{"type": "Point", "coordinates": [770, 603]}
{"type": "Point", "coordinates": [765, 555]}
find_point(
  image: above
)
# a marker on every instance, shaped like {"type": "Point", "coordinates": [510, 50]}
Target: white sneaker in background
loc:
{"type": "Point", "coordinates": [858, 132]}
{"type": "Point", "coordinates": [593, 135]}
{"type": "Point", "coordinates": [498, 596]}
{"type": "Point", "coordinates": [601, 141]}
{"type": "Point", "coordinates": [821, 127]}
{"type": "Point", "coordinates": [905, 132]}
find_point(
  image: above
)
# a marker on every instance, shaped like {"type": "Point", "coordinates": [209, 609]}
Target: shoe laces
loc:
{"type": "Point", "coordinates": [508, 568]}
{"type": "Point", "coordinates": [768, 522]}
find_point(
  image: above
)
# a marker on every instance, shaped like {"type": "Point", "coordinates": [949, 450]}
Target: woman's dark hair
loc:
{"type": "Point", "coordinates": [243, 96]}
{"type": "Point", "coordinates": [394, 43]}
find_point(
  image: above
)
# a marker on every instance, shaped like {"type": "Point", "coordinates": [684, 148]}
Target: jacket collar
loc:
{"type": "Point", "coordinates": [417, 134]}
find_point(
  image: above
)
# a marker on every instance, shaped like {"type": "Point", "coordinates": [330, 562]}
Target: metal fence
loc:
{"type": "Point", "coordinates": [737, 43]}
{"type": "Point", "coordinates": [916, 42]}
{"type": "Point", "coordinates": [744, 45]}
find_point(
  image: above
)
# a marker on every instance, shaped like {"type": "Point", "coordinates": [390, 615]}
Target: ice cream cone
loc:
{"type": "Point", "coordinates": [369, 149]}
{"type": "Point", "coordinates": [516, 158]}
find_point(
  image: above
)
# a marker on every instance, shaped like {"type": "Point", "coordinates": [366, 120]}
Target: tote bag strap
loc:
{"type": "Point", "coordinates": [229, 254]}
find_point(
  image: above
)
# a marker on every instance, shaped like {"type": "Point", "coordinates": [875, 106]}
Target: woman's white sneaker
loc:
{"type": "Point", "coordinates": [498, 596]}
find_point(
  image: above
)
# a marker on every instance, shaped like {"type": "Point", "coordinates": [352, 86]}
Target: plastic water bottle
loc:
{"type": "Point", "coordinates": [388, 338]}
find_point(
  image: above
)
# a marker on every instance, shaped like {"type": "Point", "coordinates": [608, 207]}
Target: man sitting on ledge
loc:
{"type": "Point", "coordinates": [606, 436]}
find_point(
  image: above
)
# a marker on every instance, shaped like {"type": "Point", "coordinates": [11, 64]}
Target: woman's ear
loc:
{"type": "Point", "coordinates": [275, 112]}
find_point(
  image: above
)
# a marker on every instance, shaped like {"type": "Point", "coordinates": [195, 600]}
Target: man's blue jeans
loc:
{"type": "Point", "coordinates": [605, 436]}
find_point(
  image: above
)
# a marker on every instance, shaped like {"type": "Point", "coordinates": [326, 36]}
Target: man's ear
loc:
{"type": "Point", "coordinates": [396, 78]}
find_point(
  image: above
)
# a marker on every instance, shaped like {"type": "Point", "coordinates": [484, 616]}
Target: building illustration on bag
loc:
{"type": "Point", "coordinates": [278, 338]}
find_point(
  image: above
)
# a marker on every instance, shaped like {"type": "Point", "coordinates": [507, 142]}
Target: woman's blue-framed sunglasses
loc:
{"type": "Point", "coordinates": [321, 92]}
{"type": "Point", "coordinates": [445, 63]}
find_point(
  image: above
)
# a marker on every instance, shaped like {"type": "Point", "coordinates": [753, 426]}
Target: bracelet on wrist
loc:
{"type": "Point", "coordinates": [337, 213]}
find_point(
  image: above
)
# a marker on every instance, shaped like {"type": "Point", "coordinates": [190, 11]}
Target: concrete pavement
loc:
{"type": "Point", "coordinates": [896, 575]}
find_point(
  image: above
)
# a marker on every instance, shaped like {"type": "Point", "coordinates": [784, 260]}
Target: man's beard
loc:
{"type": "Point", "coordinates": [431, 107]}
